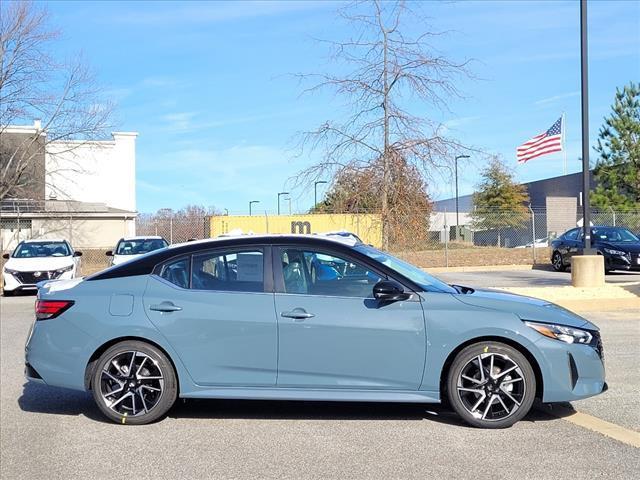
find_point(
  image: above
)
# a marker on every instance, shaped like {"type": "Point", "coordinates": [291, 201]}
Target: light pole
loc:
{"type": "Point", "coordinates": [457, 212]}
{"type": "Point", "coordinates": [251, 203]}
{"type": "Point", "coordinates": [584, 93]}
{"type": "Point", "coordinates": [315, 191]}
{"type": "Point", "coordinates": [279, 195]}
{"type": "Point", "coordinates": [226, 211]}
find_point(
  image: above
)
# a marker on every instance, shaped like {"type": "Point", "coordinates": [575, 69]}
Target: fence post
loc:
{"type": "Point", "coordinates": [171, 230]}
{"type": "Point", "coordinates": [533, 233]}
{"type": "Point", "coordinates": [613, 214]}
{"type": "Point", "coordinates": [18, 222]}
{"type": "Point", "coordinates": [446, 240]}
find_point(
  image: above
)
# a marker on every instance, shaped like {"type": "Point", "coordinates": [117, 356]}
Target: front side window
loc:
{"type": "Point", "coordinates": [177, 272]}
{"type": "Point", "coordinates": [239, 271]}
{"type": "Point", "coordinates": [310, 272]}
{"type": "Point", "coordinates": [42, 249]}
{"type": "Point", "coordinates": [140, 246]}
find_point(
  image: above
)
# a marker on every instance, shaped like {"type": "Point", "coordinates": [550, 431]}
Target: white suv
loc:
{"type": "Point", "coordinates": [33, 261]}
{"type": "Point", "coordinates": [132, 247]}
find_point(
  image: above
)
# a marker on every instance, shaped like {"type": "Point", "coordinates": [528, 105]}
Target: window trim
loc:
{"type": "Point", "coordinates": [279, 275]}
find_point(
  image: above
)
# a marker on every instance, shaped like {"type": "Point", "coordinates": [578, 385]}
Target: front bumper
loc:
{"type": "Point", "coordinates": [630, 262]}
{"type": "Point", "coordinates": [571, 371]}
{"type": "Point", "coordinates": [15, 283]}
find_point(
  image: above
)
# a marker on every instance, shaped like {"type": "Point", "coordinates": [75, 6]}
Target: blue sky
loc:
{"type": "Point", "coordinates": [208, 85]}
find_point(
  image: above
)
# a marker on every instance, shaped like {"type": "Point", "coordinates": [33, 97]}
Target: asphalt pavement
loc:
{"type": "Point", "coordinates": [537, 277]}
{"type": "Point", "coordinates": [52, 433]}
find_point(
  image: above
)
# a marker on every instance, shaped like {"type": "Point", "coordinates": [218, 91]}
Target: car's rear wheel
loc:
{"type": "Point", "coordinates": [556, 262]}
{"type": "Point", "coordinates": [134, 383]}
{"type": "Point", "coordinates": [491, 385]}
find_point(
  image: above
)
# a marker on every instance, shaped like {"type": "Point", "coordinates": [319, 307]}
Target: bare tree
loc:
{"type": "Point", "coordinates": [388, 73]}
{"type": "Point", "coordinates": [63, 96]}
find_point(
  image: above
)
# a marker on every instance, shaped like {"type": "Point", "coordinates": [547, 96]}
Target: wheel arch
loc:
{"type": "Point", "coordinates": [89, 369]}
{"type": "Point", "coordinates": [507, 341]}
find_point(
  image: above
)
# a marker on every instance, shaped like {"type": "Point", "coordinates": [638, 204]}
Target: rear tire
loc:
{"type": "Point", "coordinates": [491, 385]}
{"type": "Point", "coordinates": [134, 383]}
{"type": "Point", "coordinates": [556, 262]}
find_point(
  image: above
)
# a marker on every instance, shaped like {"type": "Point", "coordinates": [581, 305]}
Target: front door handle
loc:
{"type": "Point", "coordinates": [165, 307]}
{"type": "Point", "coordinates": [297, 313]}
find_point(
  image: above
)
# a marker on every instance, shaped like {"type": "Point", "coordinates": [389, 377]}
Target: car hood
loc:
{"type": "Point", "coordinates": [527, 308]}
{"type": "Point", "coordinates": [633, 247]}
{"type": "Point", "coordinates": [35, 264]}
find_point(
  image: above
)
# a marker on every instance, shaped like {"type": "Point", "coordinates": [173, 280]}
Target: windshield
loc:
{"type": "Point", "coordinates": [140, 246]}
{"type": "Point", "coordinates": [609, 234]}
{"type": "Point", "coordinates": [428, 282]}
{"type": "Point", "coordinates": [42, 249]}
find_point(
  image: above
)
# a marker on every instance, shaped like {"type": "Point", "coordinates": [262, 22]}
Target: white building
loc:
{"type": "Point", "coordinates": [84, 191]}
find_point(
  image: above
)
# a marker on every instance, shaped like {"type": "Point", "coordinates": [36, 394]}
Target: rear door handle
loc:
{"type": "Point", "coordinates": [165, 307]}
{"type": "Point", "coordinates": [297, 313]}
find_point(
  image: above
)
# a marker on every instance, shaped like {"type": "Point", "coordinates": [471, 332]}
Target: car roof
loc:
{"type": "Point", "coordinates": [142, 237]}
{"type": "Point", "coordinates": [270, 238]}
{"type": "Point", "coordinates": [40, 240]}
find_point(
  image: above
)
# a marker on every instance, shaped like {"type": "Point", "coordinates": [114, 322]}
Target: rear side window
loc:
{"type": "Point", "coordinates": [571, 234]}
{"type": "Point", "coordinates": [177, 272]}
{"type": "Point", "coordinates": [233, 271]}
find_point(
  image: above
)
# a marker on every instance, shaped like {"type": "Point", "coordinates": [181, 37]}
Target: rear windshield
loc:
{"type": "Point", "coordinates": [140, 246]}
{"type": "Point", "coordinates": [42, 249]}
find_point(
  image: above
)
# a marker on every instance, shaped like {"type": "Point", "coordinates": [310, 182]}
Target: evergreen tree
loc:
{"type": "Point", "coordinates": [617, 170]}
{"type": "Point", "coordinates": [499, 202]}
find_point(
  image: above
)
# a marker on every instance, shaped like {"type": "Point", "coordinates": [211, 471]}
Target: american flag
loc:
{"type": "Point", "coordinates": [547, 142]}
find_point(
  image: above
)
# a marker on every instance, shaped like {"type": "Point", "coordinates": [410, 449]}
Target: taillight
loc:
{"type": "Point", "coordinates": [48, 309]}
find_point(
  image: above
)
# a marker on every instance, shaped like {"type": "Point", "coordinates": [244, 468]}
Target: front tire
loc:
{"type": "Point", "coordinates": [557, 263]}
{"type": "Point", "coordinates": [134, 383]}
{"type": "Point", "coordinates": [491, 385]}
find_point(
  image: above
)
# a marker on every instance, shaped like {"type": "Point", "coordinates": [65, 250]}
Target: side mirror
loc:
{"type": "Point", "coordinates": [109, 253]}
{"type": "Point", "coordinates": [389, 291]}
{"type": "Point", "coordinates": [77, 254]}
{"type": "Point", "coordinates": [6, 256]}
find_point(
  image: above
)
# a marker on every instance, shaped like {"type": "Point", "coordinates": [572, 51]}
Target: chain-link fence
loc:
{"type": "Point", "coordinates": [428, 239]}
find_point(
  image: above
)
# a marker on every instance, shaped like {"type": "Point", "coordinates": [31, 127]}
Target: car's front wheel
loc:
{"type": "Point", "coordinates": [491, 385]}
{"type": "Point", "coordinates": [557, 263]}
{"type": "Point", "coordinates": [134, 383]}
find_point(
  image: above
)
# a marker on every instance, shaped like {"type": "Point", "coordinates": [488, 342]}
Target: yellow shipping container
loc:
{"type": "Point", "coordinates": [366, 226]}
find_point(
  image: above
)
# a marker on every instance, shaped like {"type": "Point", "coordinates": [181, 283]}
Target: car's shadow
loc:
{"type": "Point", "coordinates": [39, 398]}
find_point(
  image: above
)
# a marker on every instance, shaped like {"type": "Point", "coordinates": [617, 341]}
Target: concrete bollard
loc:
{"type": "Point", "coordinates": [587, 271]}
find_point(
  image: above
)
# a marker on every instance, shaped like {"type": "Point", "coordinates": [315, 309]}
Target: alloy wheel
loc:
{"type": "Point", "coordinates": [131, 383]}
{"type": "Point", "coordinates": [491, 386]}
{"type": "Point", "coordinates": [557, 261]}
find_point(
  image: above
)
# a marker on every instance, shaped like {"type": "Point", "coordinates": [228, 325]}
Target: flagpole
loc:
{"type": "Point", "coordinates": [564, 146]}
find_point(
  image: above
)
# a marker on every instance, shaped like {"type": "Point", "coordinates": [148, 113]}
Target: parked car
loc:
{"type": "Point", "coordinates": [129, 248]}
{"type": "Point", "coordinates": [619, 246]}
{"type": "Point", "coordinates": [35, 260]}
{"type": "Point", "coordinates": [540, 243]}
{"type": "Point", "coordinates": [243, 318]}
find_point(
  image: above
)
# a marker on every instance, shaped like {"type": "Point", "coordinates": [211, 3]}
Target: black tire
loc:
{"type": "Point", "coordinates": [521, 381]}
{"type": "Point", "coordinates": [108, 377]}
{"type": "Point", "coordinates": [557, 263]}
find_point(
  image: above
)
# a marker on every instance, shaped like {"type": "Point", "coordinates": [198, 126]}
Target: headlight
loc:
{"type": "Point", "coordinates": [64, 269]}
{"type": "Point", "coordinates": [562, 333]}
{"type": "Point", "coordinates": [611, 251]}
{"type": "Point", "coordinates": [8, 270]}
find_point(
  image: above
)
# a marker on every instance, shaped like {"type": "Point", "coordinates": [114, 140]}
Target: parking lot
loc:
{"type": "Point", "coordinates": [55, 433]}
{"type": "Point", "coordinates": [542, 276]}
